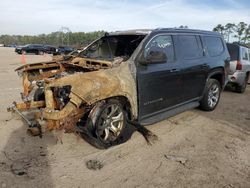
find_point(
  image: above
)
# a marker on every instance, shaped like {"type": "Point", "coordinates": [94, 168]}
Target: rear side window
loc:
{"type": "Point", "coordinates": [190, 46]}
{"type": "Point", "coordinates": [245, 54]}
{"type": "Point", "coordinates": [161, 43]}
{"type": "Point", "coordinates": [233, 51]}
{"type": "Point", "coordinates": [214, 45]}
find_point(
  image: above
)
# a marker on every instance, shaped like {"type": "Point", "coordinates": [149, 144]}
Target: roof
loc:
{"type": "Point", "coordinates": [180, 30]}
{"type": "Point", "coordinates": [132, 32]}
{"type": "Point", "coordinates": [170, 30]}
{"type": "Point", "coordinates": [238, 45]}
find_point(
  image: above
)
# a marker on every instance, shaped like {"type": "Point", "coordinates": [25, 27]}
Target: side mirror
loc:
{"type": "Point", "coordinates": [154, 56]}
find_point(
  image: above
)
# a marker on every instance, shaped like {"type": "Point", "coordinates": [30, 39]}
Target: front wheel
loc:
{"type": "Point", "coordinates": [107, 123]}
{"type": "Point", "coordinates": [211, 95]}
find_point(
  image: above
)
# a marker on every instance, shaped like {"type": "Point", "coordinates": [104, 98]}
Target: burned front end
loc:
{"type": "Point", "coordinates": [61, 92]}
{"type": "Point", "coordinates": [47, 92]}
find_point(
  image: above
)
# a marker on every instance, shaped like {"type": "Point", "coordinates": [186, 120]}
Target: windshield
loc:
{"type": "Point", "coordinates": [109, 47]}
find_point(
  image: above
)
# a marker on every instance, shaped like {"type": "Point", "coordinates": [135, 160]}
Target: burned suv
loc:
{"type": "Point", "coordinates": [140, 76]}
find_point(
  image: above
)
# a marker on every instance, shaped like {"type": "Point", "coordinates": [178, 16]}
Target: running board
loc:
{"type": "Point", "coordinates": [169, 113]}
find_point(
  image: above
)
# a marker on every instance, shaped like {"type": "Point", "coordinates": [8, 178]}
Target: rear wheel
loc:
{"type": "Point", "coordinates": [107, 123]}
{"type": "Point", "coordinates": [242, 88]}
{"type": "Point", "coordinates": [211, 96]}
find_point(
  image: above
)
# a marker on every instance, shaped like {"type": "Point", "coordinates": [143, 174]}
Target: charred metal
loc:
{"type": "Point", "coordinates": [63, 91]}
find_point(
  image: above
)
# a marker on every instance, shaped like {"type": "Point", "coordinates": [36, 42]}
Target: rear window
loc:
{"type": "Point", "coordinates": [37, 46]}
{"type": "Point", "coordinates": [245, 54]}
{"type": "Point", "coordinates": [190, 46]}
{"type": "Point", "coordinates": [214, 45]}
{"type": "Point", "coordinates": [233, 51]}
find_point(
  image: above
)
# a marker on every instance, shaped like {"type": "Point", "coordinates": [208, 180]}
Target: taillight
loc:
{"type": "Point", "coordinates": [238, 66]}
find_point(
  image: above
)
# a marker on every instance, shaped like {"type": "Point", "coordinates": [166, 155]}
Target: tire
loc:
{"type": "Point", "coordinates": [211, 95]}
{"type": "Point", "coordinates": [39, 95]}
{"type": "Point", "coordinates": [106, 123]}
{"type": "Point", "coordinates": [37, 52]}
{"type": "Point", "coordinates": [242, 88]}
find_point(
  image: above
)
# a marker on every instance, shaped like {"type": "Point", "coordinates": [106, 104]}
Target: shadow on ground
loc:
{"type": "Point", "coordinates": [25, 161]}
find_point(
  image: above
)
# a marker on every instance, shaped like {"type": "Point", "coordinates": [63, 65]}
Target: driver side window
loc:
{"type": "Point", "coordinates": [162, 43]}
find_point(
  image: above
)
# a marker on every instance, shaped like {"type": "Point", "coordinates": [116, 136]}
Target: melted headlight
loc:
{"type": "Point", "coordinates": [61, 95]}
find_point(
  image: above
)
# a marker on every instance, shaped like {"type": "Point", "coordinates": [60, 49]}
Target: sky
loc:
{"type": "Point", "coordinates": [32, 17]}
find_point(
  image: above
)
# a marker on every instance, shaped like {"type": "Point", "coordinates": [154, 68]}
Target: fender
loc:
{"type": "Point", "coordinates": [212, 74]}
{"type": "Point", "coordinates": [99, 85]}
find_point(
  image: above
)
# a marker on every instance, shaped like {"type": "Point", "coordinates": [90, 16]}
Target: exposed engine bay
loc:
{"type": "Point", "coordinates": [64, 89]}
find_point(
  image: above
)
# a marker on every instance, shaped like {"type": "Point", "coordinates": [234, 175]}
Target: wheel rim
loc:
{"type": "Point", "coordinates": [213, 95]}
{"type": "Point", "coordinates": [245, 83]}
{"type": "Point", "coordinates": [110, 123]}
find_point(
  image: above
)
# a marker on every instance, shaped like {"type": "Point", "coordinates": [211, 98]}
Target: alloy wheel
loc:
{"type": "Point", "coordinates": [110, 124]}
{"type": "Point", "coordinates": [213, 95]}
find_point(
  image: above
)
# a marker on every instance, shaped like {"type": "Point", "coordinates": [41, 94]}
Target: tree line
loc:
{"type": "Point", "coordinates": [75, 39]}
{"type": "Point", "coordinates": [235, 32]}
{"type": "Point", "coordinates": [232, 32]}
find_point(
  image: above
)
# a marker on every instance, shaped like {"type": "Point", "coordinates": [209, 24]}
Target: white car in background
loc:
{"type": "Point", "coordinates": [239, 66]}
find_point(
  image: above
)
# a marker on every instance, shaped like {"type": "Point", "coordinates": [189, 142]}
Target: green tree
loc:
{"type": "Point", "coordinates": [246, 35]}
{"type": "Point", "coordinates": [240, 29]}
{"type": "Point", "coordinates": [229, 30]}
{"type": "Point", "coordinates": [220, 29]}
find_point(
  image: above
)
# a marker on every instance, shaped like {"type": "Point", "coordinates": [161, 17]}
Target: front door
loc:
{"type": "Point", "coordinates": [159, 85]}
{"type": "Point", "coordinates": [194, 65]}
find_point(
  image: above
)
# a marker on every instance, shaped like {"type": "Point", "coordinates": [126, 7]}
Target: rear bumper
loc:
{"type": "Point", "coordinates": [237, 78]}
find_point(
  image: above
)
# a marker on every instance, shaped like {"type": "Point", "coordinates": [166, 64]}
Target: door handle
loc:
{"type": "Point", "coordinates": [204, 66]}
{"type": "Point", "coordinates": [174, 70]}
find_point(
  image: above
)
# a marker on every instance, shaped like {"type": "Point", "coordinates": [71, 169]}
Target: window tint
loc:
{"type": "Point", "coordinates": [214, 45]}
{"type": "Point", "coordinates": [233, 51]}
{"type": "Point", "coordinates": [244, 54]}
{"type": "Point", "coordinates": [190, 46]}
{"type": "Point", "coordinates": [161, 43]}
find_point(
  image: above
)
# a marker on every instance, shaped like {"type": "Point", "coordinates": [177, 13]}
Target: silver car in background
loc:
{"type": "Point", "coordinates": [239, 66]}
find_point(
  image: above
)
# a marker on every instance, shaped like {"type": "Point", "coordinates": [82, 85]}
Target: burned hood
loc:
{"type": "Point", "coordinates": [102, 84]}
{"type": "Point", "coordinates": [33, 66]}
{"type": "Point", "coordinates": [76, 62]}
{"type": "Point", "coordinates": [89, 85]}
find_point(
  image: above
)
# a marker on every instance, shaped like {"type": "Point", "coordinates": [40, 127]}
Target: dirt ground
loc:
{"type": "Point", "coordinates": [194, 149]}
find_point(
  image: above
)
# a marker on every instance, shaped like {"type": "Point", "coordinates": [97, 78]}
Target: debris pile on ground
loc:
{"type": "Point", "coordinates": [94, 164]}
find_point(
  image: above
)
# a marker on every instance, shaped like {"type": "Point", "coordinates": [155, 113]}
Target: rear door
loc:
{"type": "Point", "coordinates": [234, 52]}
{"type": "Point", "coordinates": [159, 84]}
{"type": "Point", "coordinates": [245, 60]}
{"type": "Point", "coordinates": [194, 66]}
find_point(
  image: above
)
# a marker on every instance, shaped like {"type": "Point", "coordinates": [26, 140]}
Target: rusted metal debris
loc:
{"type": "Point", "coordinates": [100, 79]}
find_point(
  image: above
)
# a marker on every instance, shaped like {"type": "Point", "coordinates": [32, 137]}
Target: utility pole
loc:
{"type": "Point", "coordinates": [65, 30]}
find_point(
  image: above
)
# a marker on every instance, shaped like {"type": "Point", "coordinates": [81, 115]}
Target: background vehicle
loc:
{"type": "Point", "coordinates": [239, 66]}
{"type": "Point", "coordinates": [31, 48]}
{"type": "Point", "coordinates": [50, 49]}
{"type": "Point", "coordinates": [11, 45]}
{"type": "Point", "coordinates": [63, 50]}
